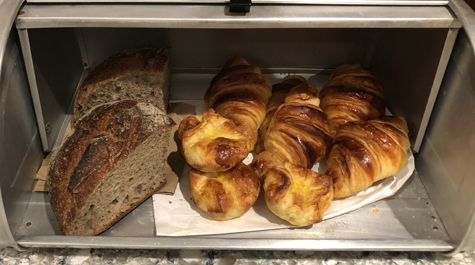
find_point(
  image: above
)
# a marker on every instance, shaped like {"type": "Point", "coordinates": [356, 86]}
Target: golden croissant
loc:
{"type": "Point", "coordinates": [298, 132]}
{"type": "Point", "coordinates": [279, 92]}
{"type": "Point", "coordinates": [365, 152]}
{"type": "Point", "coordinates": [297, 194]}
{"type": "Point", "coordinates": [225, 195]}
{"type": "Point", "coordinates": [212, 143]}
{"type": "Point", "coordinates": [240, 93]}
{"type": "Point", "coordinates": [351, 94]}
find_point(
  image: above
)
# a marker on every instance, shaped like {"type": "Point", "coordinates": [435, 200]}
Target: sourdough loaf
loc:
{"type": "Point", "coordinates": [111, 162]}
{"type": "Point", "coordinates": [136, 74]}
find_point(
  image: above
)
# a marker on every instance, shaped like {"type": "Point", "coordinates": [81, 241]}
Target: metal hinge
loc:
{"type": "Point", "coordinates": [240, 6]}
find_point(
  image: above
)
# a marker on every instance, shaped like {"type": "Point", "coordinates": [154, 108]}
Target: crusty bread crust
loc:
{"type": "Point", "coordinates": [100, 141]}
{"type": "Point", "coordinates": [127, 63]}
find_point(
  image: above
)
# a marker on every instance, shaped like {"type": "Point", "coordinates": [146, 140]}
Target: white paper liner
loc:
{"type": "Point", "coordinates": [177, 215]}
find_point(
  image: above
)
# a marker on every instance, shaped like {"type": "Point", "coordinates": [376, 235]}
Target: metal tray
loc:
{"type": "Point", "coordinates": [406, 221]}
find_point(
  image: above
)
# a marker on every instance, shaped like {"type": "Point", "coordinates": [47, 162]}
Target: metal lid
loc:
{"type": "Point", "coordinates": [270, 2]}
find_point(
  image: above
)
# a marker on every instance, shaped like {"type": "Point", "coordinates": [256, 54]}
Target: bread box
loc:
{"type": "Point", "coordinates": [421, 50]}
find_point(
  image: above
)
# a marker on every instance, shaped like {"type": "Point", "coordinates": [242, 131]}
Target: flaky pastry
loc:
{"type": "Point", "coordinates": [212, 143]}
{"type": "Point", "coordinates": [225, 195]}
{"type": "Point", "coordinates": [365, 152]}
{"type": "Point", "coordinates": [297, 194]}
{"type": "Point", "coordinates": [351, 94]}
{"type": "Point", "coordinates": [240, 93]}
{"type": "Point", "coordinates": [298, 132]}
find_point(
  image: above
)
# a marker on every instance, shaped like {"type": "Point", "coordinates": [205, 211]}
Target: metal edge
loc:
{"type": "Point", "coordinates": [82, 47]}
{"type": "Point", "coordinates": [8, 12]}
{"type": "Point", "coordinates": [234, 244]}
{"type": "Point", "coordinates": [298, 2]}
{"type": "Point", "coordinates": [466, 16]}
{"type": "Point", "coordinates": [64, 126]}
{"type": "Point", "coordinates": [197, 16]}
{"type": "Point", "coordinates": [439, 75]}
{"type": "Point", "coordinates": [30, 70]}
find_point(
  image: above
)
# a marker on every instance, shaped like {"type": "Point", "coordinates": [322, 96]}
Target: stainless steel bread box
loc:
{"type": "Point", "coordinates": [421, 50]}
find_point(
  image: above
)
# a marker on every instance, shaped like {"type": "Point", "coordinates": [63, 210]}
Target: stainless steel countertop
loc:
{"type": "Point", "coordinates": [108, 256]}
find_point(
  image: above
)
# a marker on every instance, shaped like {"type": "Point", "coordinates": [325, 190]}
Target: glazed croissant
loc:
{"type": "Point", "coordinates": [279, 92]}
{"type": "Point", "coordinates": [297, 194]}
{"type": "Point", "coordinates": [212, 143]}
{"type": "Point", "coordinates": [225, 195]}
{"type": "Point", "coordinates": [351, 94]}
{"type": "Point", "coordinates": [365, 152]}
{"type": "Point", "coordinates": [298, 132]}
{"type": "Point", "coordinates": [240, 93]}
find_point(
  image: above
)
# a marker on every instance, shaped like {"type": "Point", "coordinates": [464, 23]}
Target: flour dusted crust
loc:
{"type": "Point", "coordinates": [110, 163]}
{"type": "Point", "coordinates": [135, 74]}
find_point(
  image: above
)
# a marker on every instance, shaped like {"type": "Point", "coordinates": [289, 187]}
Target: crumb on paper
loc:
{"type": "Point", "coordinates": [375, 210]}
{"type": "Point", "coordinates": [122, 235]}
{"type": "Point", "coordinates": [418, 198]}
{"type": "Point", "coordinates": [169, 202]}
{"type": "Point", "coordinates": [399, 195]}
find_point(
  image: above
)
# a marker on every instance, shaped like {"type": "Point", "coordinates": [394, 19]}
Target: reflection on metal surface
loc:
{"type": "Point", "coordinates": [447, 159]}
{"type": "Point", "coordinates": [280, 2]}
{"type": "Point", "coordinates": [215, 16]}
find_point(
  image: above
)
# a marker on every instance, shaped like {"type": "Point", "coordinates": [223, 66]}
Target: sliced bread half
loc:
{"type": "Point", "coordinates": [114, 159]}
{"type": "Point", "coordinates": [136, 74]}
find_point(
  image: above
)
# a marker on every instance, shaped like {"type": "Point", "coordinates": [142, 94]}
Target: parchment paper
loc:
{"type": "Point", "coordinates": [178, 215]}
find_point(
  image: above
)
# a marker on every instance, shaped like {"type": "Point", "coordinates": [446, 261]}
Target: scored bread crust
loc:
{"type": "Point", "coordinates": [102, 141]}
{"type": "Point", "coordinates": [126, 64]}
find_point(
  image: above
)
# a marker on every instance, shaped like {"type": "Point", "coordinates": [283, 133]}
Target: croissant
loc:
{"type": "Point", "coordinates": [365, 152]}
{"type": "Point", "coordinates": [298, 132]}
{"type": "Point", "coordinates": [297, 194]}
{"type": "Point", "coordinates": [225, 195]}
{"type": "Point", "coordinates": [279, 92]}
{"type": "Point", "coordinates": [240, 93]}
{"type": "Point", "coordinates": [212, 143]}
{"type": "Point", "coordinates": [351, 94]}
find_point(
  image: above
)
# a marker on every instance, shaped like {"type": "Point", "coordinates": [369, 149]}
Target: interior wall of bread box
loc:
{"type": "Point", "coordinates": [406, 62]}
{"type": "Point", "coordinates": [20, 147]}
{"type": "Point", "coordinates": [198, 54]}
{"type": "Point", "coordinates": [446, 162]}
{"type": "Point", "coordinates": [58, 68]}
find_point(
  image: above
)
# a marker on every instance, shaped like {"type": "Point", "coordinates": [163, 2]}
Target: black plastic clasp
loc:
{"type": "Point", "coordinates": [240, 6]}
